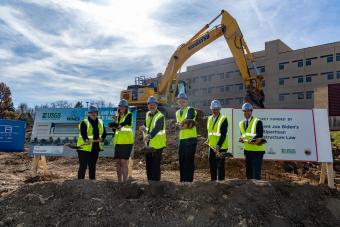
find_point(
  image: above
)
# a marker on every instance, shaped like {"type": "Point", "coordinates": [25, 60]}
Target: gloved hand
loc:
{"type": "Point", "coordinates": [142, 128]}
{"type": "Point", "coordinates": [241, 140]}
{"type": "Point", "coordinates": [147, 138]}
{"type": "Point", "coordinates": [87, 142]}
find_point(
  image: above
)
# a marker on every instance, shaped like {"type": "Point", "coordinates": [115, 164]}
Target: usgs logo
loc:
{"type": "Point", "coordinates": [199, 41]}
{"type": "Point", "coordinates": [51, 115]}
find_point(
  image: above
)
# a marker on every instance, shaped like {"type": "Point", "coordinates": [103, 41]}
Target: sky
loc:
{"type": "Point", "coordinates": [92, 49]}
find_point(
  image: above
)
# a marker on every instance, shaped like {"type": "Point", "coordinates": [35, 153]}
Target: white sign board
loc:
{"type": "Point", "coordinates": [291, 134]}
{"type": "Point", "coordinates": [228, 112]}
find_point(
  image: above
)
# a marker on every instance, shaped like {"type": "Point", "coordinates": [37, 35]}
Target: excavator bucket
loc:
{"type": "Point", "coordinates": [255, 97]}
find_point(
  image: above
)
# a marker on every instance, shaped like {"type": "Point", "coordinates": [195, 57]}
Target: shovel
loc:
{"type": "Point", "coordinates": [75, 147]}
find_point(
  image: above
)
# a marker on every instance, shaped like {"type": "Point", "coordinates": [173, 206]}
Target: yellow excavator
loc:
{"type": "Point", "coordinates": [169, 84]}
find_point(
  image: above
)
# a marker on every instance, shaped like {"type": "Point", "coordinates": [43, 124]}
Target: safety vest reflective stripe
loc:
{"type": "Point", "coordinates": [124, 135]}
{"type": "Point", "coordinates": [214, 131]}
{"type": "Point", "coordinates": [186, 133]}
{"type": "Point", "coordinates": [248, 134]}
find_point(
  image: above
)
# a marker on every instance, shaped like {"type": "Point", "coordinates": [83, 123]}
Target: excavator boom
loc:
{"type": "Point", "coordinates": [238, 47]}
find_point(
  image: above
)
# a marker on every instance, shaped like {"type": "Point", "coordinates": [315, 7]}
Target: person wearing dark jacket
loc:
{"type": "Point", "coordinates": [123, 139]}
{"type": "Point", "coordinates": [90, 143]}
{"type": "Point", "coordinates": [186, 122]}
{"type": "Point", "coordinates": [251, 129]}
{"type": "Point", "coordinates": [217, 126]}
{"type": "Point", "coordinates": [154, 139]}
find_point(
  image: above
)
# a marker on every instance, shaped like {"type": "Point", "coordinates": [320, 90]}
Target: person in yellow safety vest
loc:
{"type": "Point", "coordinates": [123, 139]}
{"type": "Point", "coordinates": [251, 129]}
{"type": "Point", "coordinates": [155, 139]}
{"type": "Point", "coordinates": [92, 134]}
{"type": "Point", "coordinates": [217, 126]}
{"type": "Point", "coordinates": [186, 120]}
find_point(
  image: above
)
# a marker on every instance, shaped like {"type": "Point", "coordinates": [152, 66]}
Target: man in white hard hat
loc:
{"type": "Point", "coordinates": [154, 138]}
{"type": "Point", "coordinates": [251, 131]}
{"type": "Point", "coordinates": [217, 126]}
{"type": "Point", "coordinates": [186, 121]}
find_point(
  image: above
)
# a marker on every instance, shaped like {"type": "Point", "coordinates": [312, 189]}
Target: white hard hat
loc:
{"type": "Point", "coordinates": [215, 104]}
{"type": "Point", "coordinates": [247, 106]}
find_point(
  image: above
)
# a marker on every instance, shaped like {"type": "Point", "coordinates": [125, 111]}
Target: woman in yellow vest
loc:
{"type": "Point", "coordinates": [154, 138]}
{"type": "Point", "coordinates": [90, 142]}
{"type": "Point", "coordinates": [217, 126]}
{"type": "Point", "coordinates": [251, 129]}
{"type": "Point", "coordinates": [186, 120]}
{"type": "Point", "coordinates": [123, 139]}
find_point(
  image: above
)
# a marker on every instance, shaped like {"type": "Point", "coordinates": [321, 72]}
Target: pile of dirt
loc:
{"type": "Point", "coordinates": [103, 203]}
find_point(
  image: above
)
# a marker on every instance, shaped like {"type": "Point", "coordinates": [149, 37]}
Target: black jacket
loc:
{"type": "Point", "coordinates": [83, 132]}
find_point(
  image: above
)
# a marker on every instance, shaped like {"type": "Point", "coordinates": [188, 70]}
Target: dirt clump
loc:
{"type": "Point", "coordinates": [234, 202]}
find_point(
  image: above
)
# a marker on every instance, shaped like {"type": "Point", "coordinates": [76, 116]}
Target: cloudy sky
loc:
{"type": "Point", "coordinates": [79, 50]}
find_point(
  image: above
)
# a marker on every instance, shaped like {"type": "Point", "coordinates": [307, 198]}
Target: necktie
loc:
{"type": "Point", "coordinates": [246, 124]}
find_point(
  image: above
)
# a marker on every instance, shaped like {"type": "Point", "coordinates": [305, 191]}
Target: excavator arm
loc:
{"type": "Point", "coordinates": [238, 47]}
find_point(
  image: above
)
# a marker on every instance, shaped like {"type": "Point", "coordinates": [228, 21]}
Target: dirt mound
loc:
{"type": "Point", "coordinates": [104, 203]}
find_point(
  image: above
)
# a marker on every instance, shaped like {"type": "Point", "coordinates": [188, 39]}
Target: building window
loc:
{"type": "Point", "coordinates": [228, 101]}
{"type": "Point", "coordinates": [330, 75]}
{"type": "Point", "coordinates": [210, 77]}
{"type": "Point", "coordinates": [329, 58]}
{"type": "Point", "coordinates": [263, 83]}
{"type": "Point", "coordinates": [282, 80]}
{"type": "Point", "coordinates": [221, 88]}
{"type": "Point", "coordinates": [309, 94]}
{"type": "Point", "coordinates": [221, 101]}
{"type": "Point", "coordinates": [262, 69]}
{"type": "Point", "coordinates": [240, 86]}
{"type": "Point", "coordinates": [309, 61]}
{"type": "Point", "coordinates": [281, 66]}
{"type": "Point", "coordinates": [221, 75]}
{"type": "Point", "coordinates": [337, 57]}
{"type": "Point", "coordinates": [204, 78]}
{"type": "Point", "coordinates": [210, 90]}
{"type": "Point", "coordinates": [227, 74]}
{"type": "Point", "coordinates": [299, 95]}
{"type": "Point", "coordinates": [239, 100]}
{"type": "Point", "coordinates": [227, 88]}
{"type": "Point", "coordinates": [282, 96]}
{"type": "Point", "coordinates": [309, 77]}
{"type": "Point", "coordinates": [338, 74]}
{"type": "Point", "coordinates": [299, 79]}
{"type": "Point", "coordinates": [299, 63]}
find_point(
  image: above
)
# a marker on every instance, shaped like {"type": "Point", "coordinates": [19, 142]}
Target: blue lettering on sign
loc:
{"type": "Point", "coordinates": [199, 41]}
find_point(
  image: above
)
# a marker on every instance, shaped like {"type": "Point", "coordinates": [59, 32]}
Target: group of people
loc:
{"type": "Point", "coordinates": [92, 134]}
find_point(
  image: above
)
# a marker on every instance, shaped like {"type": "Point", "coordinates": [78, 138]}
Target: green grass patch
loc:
{"type": "Point", "coordinates": [335, 135]}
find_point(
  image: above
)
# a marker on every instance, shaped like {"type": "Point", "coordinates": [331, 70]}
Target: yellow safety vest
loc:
{"type": "Point", "coordinates": [80, 141]}
{"type": "Point", "coordinates": [124, 135]}
{"type": "Point", "coordinates": [214, 131]}
{"type": "Point", "coordinates": [186, 133]}
{"type": "Point", "coordinates": [159, 140]}
{"type": "Point", "coordinates": [249, 134]}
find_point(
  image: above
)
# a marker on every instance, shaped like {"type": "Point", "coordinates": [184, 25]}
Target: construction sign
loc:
{"type": "Point", "coordinates": [12, 135]}
{"type": "Point", "coordinates": [291, 134]}
{"type": "Point", "coordinates": [56, 127]}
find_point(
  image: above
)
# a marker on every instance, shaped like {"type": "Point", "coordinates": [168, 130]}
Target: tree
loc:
{"type": "Point", "coordinates": [25, 113]}
{"type": "Point", "coordinates": [6, 103]}
{"type": "Point", "coordinates": [78, 105]}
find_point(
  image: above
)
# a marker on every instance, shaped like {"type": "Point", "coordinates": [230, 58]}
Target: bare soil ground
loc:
{"type": "Point", "coordinates": [288, 196]}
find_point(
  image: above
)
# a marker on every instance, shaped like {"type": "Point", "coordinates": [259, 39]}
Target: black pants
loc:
{"type": "Point", "coordinates": [216, 166]}
{"type": "Point", "coordinates": [186, 153]}
{"type": "Point", "coordinates": [253, 164]}
{"type": "Point", "coordinates": [153, 165]}
{"type": "Point", "coordinates": [87, 159]}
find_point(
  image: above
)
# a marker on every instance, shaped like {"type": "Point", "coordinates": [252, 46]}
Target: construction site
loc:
{"type": "Point", "coordinates": [299, 181]}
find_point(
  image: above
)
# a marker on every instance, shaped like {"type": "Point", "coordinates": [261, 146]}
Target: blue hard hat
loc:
{"type": "Point", "coordinates": [92, 109]}
{"type": "Point", "coordinates": [123, 102]}
{"type": "Point", "coordinates": [215, 104]}
{"type": "Point", "coordinates": [152, 100]}
{"type": "Point", "coordinates": [247, 106]}
{"type": "Point", "coordinates": [182, 96]}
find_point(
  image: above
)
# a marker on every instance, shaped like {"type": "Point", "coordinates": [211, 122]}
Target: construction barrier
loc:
{"type": "Point", "coordinates": [12, 135]}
